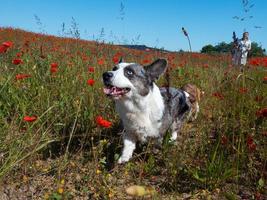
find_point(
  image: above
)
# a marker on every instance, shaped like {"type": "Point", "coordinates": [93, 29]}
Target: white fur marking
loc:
{"type": "Point", "coordinates": [174, 136]}
{"type": "Point", "coordinates": [128, 148]}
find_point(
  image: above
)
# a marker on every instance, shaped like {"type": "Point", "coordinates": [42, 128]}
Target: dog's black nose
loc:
{"type": "Point", "coordinates": [107, 76]}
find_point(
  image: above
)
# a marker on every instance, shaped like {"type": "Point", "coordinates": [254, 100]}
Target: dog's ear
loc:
{"type": "Point", "coordinates": [157, 68]}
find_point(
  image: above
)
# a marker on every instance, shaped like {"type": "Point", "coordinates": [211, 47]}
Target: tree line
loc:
{"type": "Point", "coordinates": [223, 47]}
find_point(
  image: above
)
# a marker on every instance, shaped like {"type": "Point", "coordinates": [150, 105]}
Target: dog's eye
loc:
{"type": "Point", "coordinates": [115, 68]}
{"type": "Point", "coordinates": [129, 72]}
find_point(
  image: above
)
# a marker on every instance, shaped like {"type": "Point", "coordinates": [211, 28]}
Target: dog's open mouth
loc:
{"type": "Point", "coordinates": [115, 91]}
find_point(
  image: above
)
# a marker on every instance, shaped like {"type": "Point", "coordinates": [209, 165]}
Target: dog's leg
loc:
{"type": "Point", "coordinates": [176, 127]}
{"type": "Point", "coordinates": [197, 111]}
{"type": "Point", "coordinates": [175, 130]}
{"type": "Point", "coordinates": [129, 142]}
{"type": "Point", "coordinates": [173, 136]}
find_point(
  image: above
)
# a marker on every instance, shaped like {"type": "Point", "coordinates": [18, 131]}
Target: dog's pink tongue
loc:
{"type": "Point", "coordinates": [108, 90]}
{"type": "Point", "coordinates": [113, 91]}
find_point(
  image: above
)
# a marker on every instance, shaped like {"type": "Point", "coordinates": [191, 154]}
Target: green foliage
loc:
{"type": "Point", "coordinates": [223, 47]}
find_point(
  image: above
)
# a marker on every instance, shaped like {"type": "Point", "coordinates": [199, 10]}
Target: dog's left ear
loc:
{"type": "Point", "coordinates": [157, 68]}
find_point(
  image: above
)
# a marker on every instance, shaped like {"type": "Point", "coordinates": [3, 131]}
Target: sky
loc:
{"type": "Point", "coordinates": [155, 23]}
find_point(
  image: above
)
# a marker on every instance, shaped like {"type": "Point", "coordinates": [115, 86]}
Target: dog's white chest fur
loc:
{"type": "Point", "coordinates": [141, 116]}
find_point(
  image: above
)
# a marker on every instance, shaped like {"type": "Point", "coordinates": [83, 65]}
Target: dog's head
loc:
{"type": "Point", "coordinates": [131, 79]}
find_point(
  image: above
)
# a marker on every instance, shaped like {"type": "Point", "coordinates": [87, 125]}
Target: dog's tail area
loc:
{"type": "Point", "coordinates": [194, 92]}
{"type": "Point", "coordinates": [194, 95]}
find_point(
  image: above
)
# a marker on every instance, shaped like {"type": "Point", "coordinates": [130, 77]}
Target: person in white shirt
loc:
{"type": "Point", "coordinates": [242, 47]}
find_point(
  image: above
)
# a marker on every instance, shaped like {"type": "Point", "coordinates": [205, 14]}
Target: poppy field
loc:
{"type": "Point", "coordinates": [60, 137]}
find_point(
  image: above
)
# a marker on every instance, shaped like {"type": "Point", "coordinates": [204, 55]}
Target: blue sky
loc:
{"type": "Point", "coordinates": [157, 22]}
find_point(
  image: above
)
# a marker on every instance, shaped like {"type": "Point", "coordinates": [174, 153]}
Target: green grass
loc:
{"type": "Point", "coordinates": [65, 141]}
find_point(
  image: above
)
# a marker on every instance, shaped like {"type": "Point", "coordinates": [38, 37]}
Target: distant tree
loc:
{"type": "Point", "coordinates": [208, 49]}
{"type": "Point", "coordinates": [256, 50]}
{"type": "Point", "coordinates": [223, 47]}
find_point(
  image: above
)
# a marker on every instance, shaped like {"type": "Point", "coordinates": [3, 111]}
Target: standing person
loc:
{"type": "Point", "coordinates": [241, 49]}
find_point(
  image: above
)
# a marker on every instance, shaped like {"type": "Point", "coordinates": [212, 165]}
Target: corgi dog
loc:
{"type": "Point", "coordinates": [146, 110]}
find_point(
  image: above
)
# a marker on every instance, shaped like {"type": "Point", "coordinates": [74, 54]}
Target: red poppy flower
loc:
{"type": "Point", "coordinates": [53, 65]}
{"type": "Point", "coordinates": [102, 122]}
{"type": "Point", "coordinates": [30, 118]}
{"type": "Point", "coordinates": [4, 46]}
{"type": "Point", "coordinates": [90, 82]}
{"type": "Point", "coordinates": [262, 112]}
{"type": "Point", "coordinates": [53, 70]}
{"type": "Point", "coordinates": [146, 61]}
{"type": "Point", "coordinates": [100, 61]}
{"type": "Point", "coordinates": [206, 65]}
{"type": "Point", "coordinates": [258, 98]}
{"type": "Point", "coordinates": [22, 76]}
{"type": "Point", "coordinates": [91, 69]}
{"type": "Point", "coordinates": [254, 62]}
{"type": "Point", "coordinates": [17, 61]}
{"type": "Point", "coordinates": [243, 90]}
{"type": "Point", "coordinates": [218, 95]}
{"type": "Point", "coordinates": [252, 147]}
{"type": "Point", "coordinates": [250, 140]}
{"type": "Point", "coordinates": [7, 44]}
{"type": "Point", "coordinates": [18, 55]}
{"type": "Point", "coordinates": [115, 59]}
{"type": "Point", "coordinates": [3, 49]}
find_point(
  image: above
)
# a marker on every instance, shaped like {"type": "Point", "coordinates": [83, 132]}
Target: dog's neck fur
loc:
{"type": "Point", "coordinates": [142, 113]}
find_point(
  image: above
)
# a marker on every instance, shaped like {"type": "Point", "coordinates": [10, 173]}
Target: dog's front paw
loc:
{"type": "Point", "coordinates": [123, 160]}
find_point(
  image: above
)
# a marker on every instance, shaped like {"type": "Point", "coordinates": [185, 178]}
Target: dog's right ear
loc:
{"type": "Point", "coordinates": [157, 68]}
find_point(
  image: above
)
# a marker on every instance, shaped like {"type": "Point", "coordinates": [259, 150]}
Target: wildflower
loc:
{"type": "Point", "coordinates": [4, 46]}
{"type": "Point", "coordinates": [258, 98]}
{"type": "Point", "coordinates": [102, 122]}
{"type": "Point", "coordinates": [254, 62]}
{"type": "Point", "coordinates": [218, 95]}
{"type": "Point", "coordinates": [98, 171]}
{"type": "Point", "coordinates": [53, 65]}
{"type": "Point", "coordinates": [7, 44]}
{"type": "Point", "coordinates": [18, 55]}
{"type": "Point", "coordinates": [91, 69]}
{"type": "Point", "coordinates": [252, 147]}
{"type": "Point", "coordinates": [115, 59]}
{"type": "Point", "coordinates": [100, 61]}
{"type": "Point", "coordinates": [3, 49]}
{"type": "Point", "coordinates": [184, 31]}
{"type": "Point", "coordinates": [243, 90]}
{"type": "Point", "coordinates": [206, 65]}
{"type": "Point", "coordinates": [224, 140]}
{"type": "Point", "coordinates": [146, 61]}
{"type": "Point", "coordinates": [250, 143]}
{"type": "Point", "coordinates": [90, 82]}
{"type": "Point", "coordinates": [22, 76]}
{"type": "Point", "coordinates": [53, 70]}
{"type": "Point", "coordinates": [17, 61]}
{"type": "Point", "coordinates": [60, 190]}
{"type": "Point", "coordinates": [30, 118]}
{"type": "Point", "coordinates": [262, 113]}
